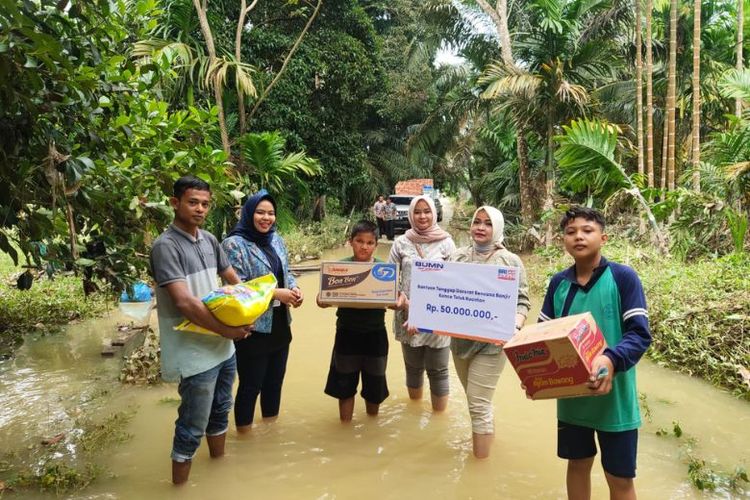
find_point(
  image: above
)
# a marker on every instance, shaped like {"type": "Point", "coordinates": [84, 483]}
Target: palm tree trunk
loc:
{"type": "Point", "coordinates": [672, 94]}
{"type": "Point", "coordinates": [527, 208]}
{"type": "Point", "coordinates": [319, 208]}
{"type": "Point", "coordinates": [639, 86]}
{"type": "Point", "coordinates": [649, 97]}
{"type": "Point", "coordinates": [72, 234]}
{"type": "Point", "coordinates": [549, 201]}
{"type": "Point", "coordinates": [664, 148]}
{"type": "Point", "coordinates": [660, 239]}
{"type": "Point", "coordinates": [739, 63]}
{"type": "Point", "coordinates": [499, 16]}
{"type": "Point", "coordinates": [244, 10]}
{"type": "Point", "coordinates": [696, 95]}
{"type": "Point", "coordinates": [201, 9]}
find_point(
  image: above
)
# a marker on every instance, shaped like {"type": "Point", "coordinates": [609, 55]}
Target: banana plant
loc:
{"type": "Point", "coordinates": [586, 158]}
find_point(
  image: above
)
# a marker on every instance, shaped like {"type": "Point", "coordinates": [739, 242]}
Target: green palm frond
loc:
{"type": "Point", "coordinates": [713, 179]}
{"type": "Point", "coordinates": [586, 157]}
{"type": "Point", "coordinates": [501, 80]}
{"type": "Point", "coordinates": [736, 84]}
{"type": "Point", "coordinates": [270, 167]}
{"type": "Point", "coordinates": [730, 147]}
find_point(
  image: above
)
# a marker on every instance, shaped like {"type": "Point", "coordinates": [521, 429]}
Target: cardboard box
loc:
{"type": "Point", "coordinates": [363, 285]}
{"type": "Point", "coordinates": [553, 358]}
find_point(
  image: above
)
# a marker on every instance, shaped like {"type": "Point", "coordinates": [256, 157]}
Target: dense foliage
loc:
{"type": "Point", "coordinates": [90, 149]}
{"type": "Point", "coordinates": [105, 103]}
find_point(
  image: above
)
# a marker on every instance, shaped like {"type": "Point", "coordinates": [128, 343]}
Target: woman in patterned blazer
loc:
{"type": "Point", "coordinates": [254, 249]}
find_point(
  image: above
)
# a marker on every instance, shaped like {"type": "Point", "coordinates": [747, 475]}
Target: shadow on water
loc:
{"type": "Point", "coordinates": [404, 452]}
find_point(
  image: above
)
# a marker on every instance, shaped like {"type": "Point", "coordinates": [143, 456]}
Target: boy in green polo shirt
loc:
{"type": "Point", "coordinates": [613, 294]}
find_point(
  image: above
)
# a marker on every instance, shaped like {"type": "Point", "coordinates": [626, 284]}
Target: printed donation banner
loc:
{"type": "Point", "coordinates": [472, 301]}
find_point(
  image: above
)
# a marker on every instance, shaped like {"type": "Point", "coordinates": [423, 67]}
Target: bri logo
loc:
{"type": "Point", "coordinates": [384, 272]}
{"type": "Point", "coordinates": [429, 266]}
{"type": "Point", "coordinates": [506, 274]}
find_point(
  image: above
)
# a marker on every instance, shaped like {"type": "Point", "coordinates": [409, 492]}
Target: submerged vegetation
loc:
{"type": "Point", "coordinates": [703, 475]}
{"type": "Point", "coordinates": [309, 240]}
{"type": "Point", "coordinates": [67, 463]}
{"type": "Point", "coordinates": [142, 365]}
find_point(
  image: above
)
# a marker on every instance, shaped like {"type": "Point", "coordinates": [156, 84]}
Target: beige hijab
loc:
{"type": "Point", "coordinates": [498, 224]}
{"type": "Point", "coordinates": [434, 232]}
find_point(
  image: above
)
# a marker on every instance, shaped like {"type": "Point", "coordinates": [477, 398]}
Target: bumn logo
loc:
{"type": "Point", "coordinates": [429, 266]}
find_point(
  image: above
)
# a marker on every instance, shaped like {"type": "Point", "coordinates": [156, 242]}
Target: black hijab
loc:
{"type": "Point", "coordinates": [246, 228]}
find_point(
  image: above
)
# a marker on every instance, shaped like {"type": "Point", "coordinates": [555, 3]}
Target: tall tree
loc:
{"type": "Point", "coordinates": [499, 16]}
{"type": "Point", "coordinates": [649, 95]}
{"type": "Point", "coordinates": [696, 156]}
{"type": "Point", "coordinates": [639, 85]}
{"type": "Point", "coordinates": [639, 91]}
{"type": "Point", "coordinates": [672, 94]}
{"type": "Point", "coordinates": [288, 57]}
{"type": "Point", "coordinates": [244, 11]}
{"type": "Point", "coordinates": [215, 78]}
{"type": "Point", "coordinates": [740, 41]}
{"type": "Point", "coordinates": [568, 50]}
{"type": "Point", "coordinates": [664, 151]}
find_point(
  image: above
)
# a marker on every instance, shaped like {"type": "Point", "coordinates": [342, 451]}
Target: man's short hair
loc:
{"type": "Point", "coordinates": [589, 214]}
{"type": "Point", "coordinates": [363, 226]}
{"type": "Point", "coordinates": [189, 182]}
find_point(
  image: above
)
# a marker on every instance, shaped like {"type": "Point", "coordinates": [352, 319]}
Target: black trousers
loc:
{"type": "Point", "coordinates": [259, 375]}
{"type": "Point", "coordinates": [389, 229]}
{"type": "Point", "coordinates": [381, 227]}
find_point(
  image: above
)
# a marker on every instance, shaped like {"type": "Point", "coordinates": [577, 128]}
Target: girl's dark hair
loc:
{"type": "Point", "coordinates": [589, 214]}
{"type": "Point", "coordinates": [363, 226]}
{"type": "Point", "coordinates": [189, 182]}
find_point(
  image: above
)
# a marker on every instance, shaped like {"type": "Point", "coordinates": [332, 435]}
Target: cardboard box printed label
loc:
{"type": "Point", "coordinates": [363, 285]}
{"type": "Point", "coordinates": [554, 359]}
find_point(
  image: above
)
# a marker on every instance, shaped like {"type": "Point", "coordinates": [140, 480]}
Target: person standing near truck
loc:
{"type": "Point", "coordinates": [391, 212]}
{"type": "Point", "coordinates": [379, 211]}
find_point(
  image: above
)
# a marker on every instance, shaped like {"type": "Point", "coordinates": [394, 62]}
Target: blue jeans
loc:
{"type": "Point", "coordinates": [206, 401]}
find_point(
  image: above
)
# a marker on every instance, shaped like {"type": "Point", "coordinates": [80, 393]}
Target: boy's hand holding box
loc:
{"type": "Point", "coordinates": [554, 359]}
{"type": "Point", "coordinates": [361, 285]}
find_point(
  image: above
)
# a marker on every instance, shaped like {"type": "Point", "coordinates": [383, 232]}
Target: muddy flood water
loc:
{"type": "Point", "coordinates": [405, 452]}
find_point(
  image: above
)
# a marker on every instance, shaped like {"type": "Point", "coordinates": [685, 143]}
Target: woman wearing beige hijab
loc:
{"type": "Point", "coordinates": [479, 364]}
{"type": "Point", "coordinates": [423, 352]}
